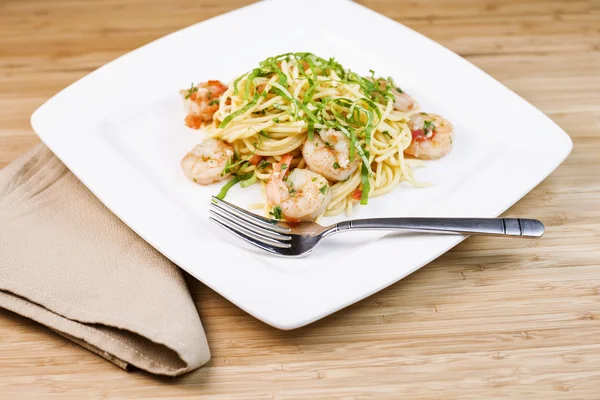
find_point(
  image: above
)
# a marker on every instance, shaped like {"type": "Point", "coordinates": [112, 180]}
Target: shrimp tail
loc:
{"type": "Point", "coordinates": [283, 165]}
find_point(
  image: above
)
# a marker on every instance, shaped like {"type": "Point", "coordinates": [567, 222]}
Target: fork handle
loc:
{"type": "Point", "coordinates": [521, 227]}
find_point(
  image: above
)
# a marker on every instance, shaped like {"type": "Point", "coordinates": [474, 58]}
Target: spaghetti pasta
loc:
{"type": "Point", "coordinates": [296, 99]}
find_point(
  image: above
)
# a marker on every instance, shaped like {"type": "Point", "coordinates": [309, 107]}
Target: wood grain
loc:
{"type": "Point", "coordinates": [490, 319]}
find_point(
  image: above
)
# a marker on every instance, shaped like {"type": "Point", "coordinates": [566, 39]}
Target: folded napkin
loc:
{"type": "Point", "coordinates": [68, 263]}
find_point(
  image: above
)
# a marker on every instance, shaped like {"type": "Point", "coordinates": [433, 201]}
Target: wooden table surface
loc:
{"type": "Point", "coordinates": [491, 318]}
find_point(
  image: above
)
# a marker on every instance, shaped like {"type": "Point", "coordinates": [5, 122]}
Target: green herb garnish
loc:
{"type": "Point", "coordinates": [276, 212]}
{"type": "Point", "coordinates": [227, 186]}
{"type": "Point", "coordinates": [192, 89]}
{"type": "Point", "coordinates": [239, 112]}
{"type": "Point", "coordinates": [247, 182]}
{"type": "Point", "coordinates": [364, 177]}
{"type": "Point", "coordinates": [428, 127]}
{"type": "Point", "coordinates": [263, 164]}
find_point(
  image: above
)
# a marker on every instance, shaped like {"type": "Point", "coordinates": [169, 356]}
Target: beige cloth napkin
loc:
{"type": "Point", "coordinates": [68, 263]}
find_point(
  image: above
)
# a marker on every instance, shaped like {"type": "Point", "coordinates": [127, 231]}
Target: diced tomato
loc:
{"type": "Point", "coordinates": [193, 121]}
{"type": "Point", "coordinates": [357, 194]}
{"type": "Point", "coordinates": [261, 87]}
{"type": "Point", "coordinates": [418, 135]}
{"type": "Point", "coordinates": [255, 159]}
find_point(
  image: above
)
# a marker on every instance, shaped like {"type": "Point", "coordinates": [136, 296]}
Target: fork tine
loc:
{"type": "Point", "coordinates": [254, 219]}
{"type": "Point", "coordinates": [247, 232]}
{"type": "Point", "coordinates": [235, 220]}
{"type": "Point", "coordinates": [252, 241]}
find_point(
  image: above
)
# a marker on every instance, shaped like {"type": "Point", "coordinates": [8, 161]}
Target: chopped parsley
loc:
{"type": "Point", "coordinates": [399, 90]}
{"type": "Point", "coordinates": [428, 127]}
{"type": "Point", "coordinates": [386, 133]}
{"type": "Point", "coordinates": [192, 89]}
{"type": "Point", "coordinates": [213, 102]}
{"type": "Point", "coordinates": [284, 166]}
{"type": "Point", "coordinates": [276, 120]}
{"type": "Point", "coordinates": [336, 165]}
{"type": "Point", "coordinates": [263, 133]}
{"type": "Point", "coordinates": [276, 212]}
{"type": "Point", "coordinates": [263, 164]}
{"type": "Point", "coordinates": [323, 189]}
{"type": "Point", "coordinates": [314, 179]}
{"type": "Point", "coordinates": [208, 94]}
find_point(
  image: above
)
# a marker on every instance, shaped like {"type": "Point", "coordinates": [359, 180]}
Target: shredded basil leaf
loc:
{"type": "Point", "coordinates": [235, 84]}
{"type": "Point", "coordinates": [263, 164]}
{"type": "Point", "coordinates": [227, 186]}
{"type": "Point", "coordinates": [247, 182]}
{"type": "Point", "coordinates": [366, 185]}
{"type": "Point", "coordinates": [239, 112]}
{"type": "Point", "coordinates": [276, 212]}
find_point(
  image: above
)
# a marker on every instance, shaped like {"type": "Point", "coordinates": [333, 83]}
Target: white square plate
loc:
{"type": "Point", "coordinates": [120, 130]}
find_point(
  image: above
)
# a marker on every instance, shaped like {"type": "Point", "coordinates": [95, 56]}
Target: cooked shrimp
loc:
{"type": "Point", "coordinates": [403, 102]}
{"type": "Point", "coordinates": [201, 101]}
{"type": "Point", "coordinates": [328, 154]}
{"type": "Point", "coordinates": [431, 136]}
{"type": "Point", "coordinates": [206, 162]}
{"type": "Point", "coordinates": [303, 196]}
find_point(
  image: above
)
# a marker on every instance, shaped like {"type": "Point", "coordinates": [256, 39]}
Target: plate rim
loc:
{"type": "Point", "coordinates": [287, 314]}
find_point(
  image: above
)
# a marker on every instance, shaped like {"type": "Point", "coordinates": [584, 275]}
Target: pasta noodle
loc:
{"type": "Point", "coordinates": [273, 110]}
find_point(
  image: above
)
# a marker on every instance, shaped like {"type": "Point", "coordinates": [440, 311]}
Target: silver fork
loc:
{"type": "Point", "coordinates": [299, 239]}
